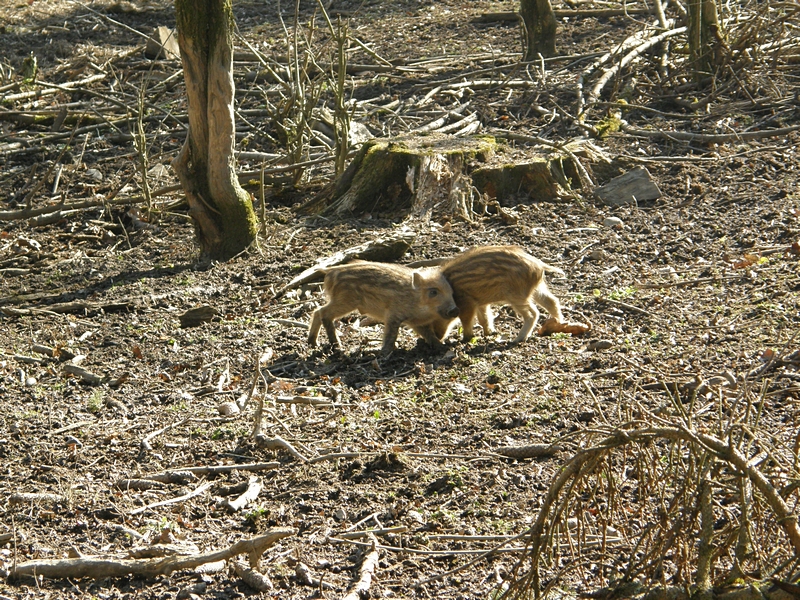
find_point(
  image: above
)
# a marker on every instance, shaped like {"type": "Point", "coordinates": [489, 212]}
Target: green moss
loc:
{"type": "Point", "coordinates": [610, 124]}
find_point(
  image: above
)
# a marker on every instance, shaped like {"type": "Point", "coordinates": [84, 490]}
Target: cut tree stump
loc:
{"type": "Point", "coordinates": [426, 173]}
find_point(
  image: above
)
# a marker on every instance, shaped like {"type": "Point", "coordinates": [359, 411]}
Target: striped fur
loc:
{"type": "Point", "coordinates": [490, 275]}
{"type": "Point", "coordinates": [392, 294]}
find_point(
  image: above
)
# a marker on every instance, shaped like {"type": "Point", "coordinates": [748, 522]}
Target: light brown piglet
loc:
{"type": "Point", "coordinates": [392, 294]}
{"type": "Point", "coordinates": [490, 275]}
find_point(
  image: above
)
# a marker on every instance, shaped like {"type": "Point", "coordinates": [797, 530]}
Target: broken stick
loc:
{"type": "Point", "coordinates": [99, 568]}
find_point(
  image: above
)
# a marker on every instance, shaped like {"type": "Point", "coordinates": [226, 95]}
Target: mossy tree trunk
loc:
{"type": "Point", "coordinates": [540, 28]}
{"type": "Point", "coordinates": [220, 208]}
{"type": "Point", "coordinates": [705, 38]}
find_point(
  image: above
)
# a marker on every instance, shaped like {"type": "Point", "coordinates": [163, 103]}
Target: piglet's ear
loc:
{"type": "Point", "coordinates": [416, 279]}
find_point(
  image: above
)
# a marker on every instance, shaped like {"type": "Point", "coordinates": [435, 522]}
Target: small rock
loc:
{"type": "Point", "coordinates": [94, 175]}
{"type": "Point", "coordinates": [630, 188]}
{"type": "Point", "coordinates": [71, 440]}
{"type": "Point", "coordinates": [415, 516]}
{"type": "Point", "coordinates": [597, 255]}
{"type": "Point", "coordinates": [226, 409]}
{"type": "Point", "coordinates": [339, 515]}
{"type": "Point", "coordinates": [600, 345]}
{"type": "Point", "coordinates": [612, 222]}
{"type": "Point", "coordinates": [193, 591]}
{"type": "Point", "coordinates": [359, 133]}
{"type": "Point", "coordinates": [197, 316]}
{"type": "Point", "coordinates": [30, 381]}
{"type": "Point", "coordinates": [158, 171]}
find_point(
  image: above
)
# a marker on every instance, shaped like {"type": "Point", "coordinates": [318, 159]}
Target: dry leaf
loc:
{"type": "Point", "coordinates": [748, 260]}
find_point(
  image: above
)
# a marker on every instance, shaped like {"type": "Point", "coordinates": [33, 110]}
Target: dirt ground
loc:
{"type": "Point", "coordinates": [406, 441]}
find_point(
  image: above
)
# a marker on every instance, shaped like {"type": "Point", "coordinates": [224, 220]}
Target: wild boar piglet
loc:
{"type": "Point", "coordinates": [490, 275]}
{"type": "Point", "coordinates": [392, 294]}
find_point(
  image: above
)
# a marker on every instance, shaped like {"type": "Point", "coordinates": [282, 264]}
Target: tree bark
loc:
{"type": "Point", "coordinates": [221, 210]}
{"type": "Point", "coordinates": [706, 44]}
{"type": "Point", "coordinates": [540, 28]}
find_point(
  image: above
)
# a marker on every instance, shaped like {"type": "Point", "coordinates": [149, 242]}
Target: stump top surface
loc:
{"type": "Point", "coordinates": [444, 144]}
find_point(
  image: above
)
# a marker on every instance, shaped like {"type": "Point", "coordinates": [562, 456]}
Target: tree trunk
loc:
{"type": "Point", "coordinates": [706, 44]}
{"type": "Point", "coordinates": [221, 209]}
{"type": "Point", "coordinates": [540, 28]}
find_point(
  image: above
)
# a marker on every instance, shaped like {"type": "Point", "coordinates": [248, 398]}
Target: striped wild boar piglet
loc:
{"type": "Point", "coordinates": [392, 294]}
{"type": "Point", "coordinates": [490, 275]}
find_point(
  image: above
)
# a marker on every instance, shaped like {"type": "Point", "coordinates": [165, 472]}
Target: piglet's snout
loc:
{"type": "Point", "coordinates": [449, 312]}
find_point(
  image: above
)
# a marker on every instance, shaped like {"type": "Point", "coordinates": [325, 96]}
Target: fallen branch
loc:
{"type": "Point", "coordinates": [354, 535]}
{"type": "Point", "coordinates": [34, 498]}
{"type": "Point", "coordinates": [213, 470]}
{"type": "Point", "coordinates": [493, 17]}
{"type": "Point", "coordinates": [532, 451]}
{"type": "Point", "coordinates": [707, 138]}
{"type": "Point", "coordinates": [625, 305]}
{"type": "Point", "coordinates": [257, 581]}
{"type": "Point", "coordinates": [254, 488]}
{"type": "Point", "coordinates": [361, 587]}
{"type": "Point", "coordinates": [307, 400]}
{"type": "Point", "coordinates": [145, 444]}
{"type": "Point", "coordinates": [276, 443]}
{"type": "Point", "coordinates": [99, 568]}
{"type": "Point", "coordinates": [85, 375]}
{"type": "Point", "coordinates": [196, 492]}
{"type": "Point", "coordinates": [53, 88]}
{"type": "Point", "coordinates": [626, 60]}
{"type": "Point", "coordinates": [626, 45]}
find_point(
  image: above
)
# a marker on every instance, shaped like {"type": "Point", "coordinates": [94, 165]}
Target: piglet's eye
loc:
{"type": "Point", "coordinates": [433, 292]}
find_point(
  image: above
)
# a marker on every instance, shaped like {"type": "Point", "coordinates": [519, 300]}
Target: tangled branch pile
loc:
{"type": "Point", "coordinates": [699, 499]}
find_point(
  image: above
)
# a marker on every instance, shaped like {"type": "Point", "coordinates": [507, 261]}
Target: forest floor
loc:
{"type": "Point", "coordinates": [699, 286]}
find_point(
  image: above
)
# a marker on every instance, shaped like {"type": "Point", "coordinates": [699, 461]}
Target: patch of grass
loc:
{"type": "Point", "coordinates": [95, 401]}
{"type": "Point", "coordinates": [164, 524]}
{"type": "Point", "coordinates": [444, 516]}
{"type": "Point", "coordinates": [454, 477]}
{"type": "Point", "coordinates": [220, 433]}
{"type": "Point", "coordinates": [622, 293]}
{"type": "Point", "coordinates": [255, 515]}
{"type": "Point", "coordinates": [502, 526]}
